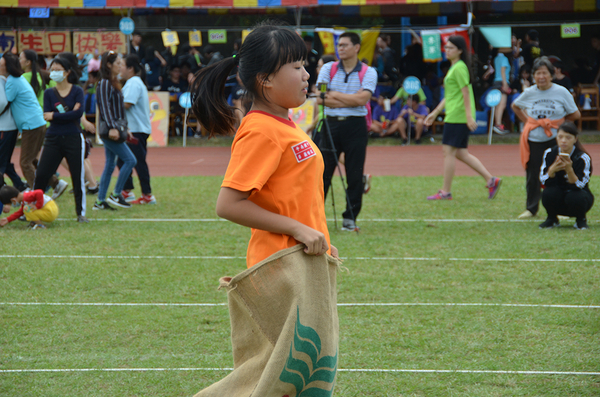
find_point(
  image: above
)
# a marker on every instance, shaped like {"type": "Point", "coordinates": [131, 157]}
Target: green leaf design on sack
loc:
{"type": "Point", "coordinates": [303, 372]}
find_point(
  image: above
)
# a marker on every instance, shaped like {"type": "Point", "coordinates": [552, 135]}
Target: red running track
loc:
{"type": "Point", "coordinates": [423, 160]}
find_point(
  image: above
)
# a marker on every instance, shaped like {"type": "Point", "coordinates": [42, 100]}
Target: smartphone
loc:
{"type": "Point", "coordinates": [564, 154]}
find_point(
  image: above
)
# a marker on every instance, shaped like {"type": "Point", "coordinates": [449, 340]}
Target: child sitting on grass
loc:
{"type": "Point", "coordinates": [36, 206]}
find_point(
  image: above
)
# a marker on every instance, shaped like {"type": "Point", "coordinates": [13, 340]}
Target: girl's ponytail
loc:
{"type": "Point", "coordinates": [209, 103]}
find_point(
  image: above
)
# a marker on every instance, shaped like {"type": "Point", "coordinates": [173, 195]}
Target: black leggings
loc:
{"type": "Point", "coordinates": [533, 184]}
{"type": "Point", "coordinates": [560, 201]}
{"type": "Point", "coordinates": [57, 147]}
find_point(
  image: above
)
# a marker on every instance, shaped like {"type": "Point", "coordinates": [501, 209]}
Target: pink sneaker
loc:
{"type": "Point", "coordinates": [494, 185]}
{"type": "Point", "coordinates": [440, 195]}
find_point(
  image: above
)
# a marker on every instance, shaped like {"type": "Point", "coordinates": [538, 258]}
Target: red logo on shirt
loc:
{"type": "Point", "coordinates": [303, 151]}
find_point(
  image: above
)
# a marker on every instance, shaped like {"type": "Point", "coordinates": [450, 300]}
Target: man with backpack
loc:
{"type": "Point", "coordinates": [350, 85]}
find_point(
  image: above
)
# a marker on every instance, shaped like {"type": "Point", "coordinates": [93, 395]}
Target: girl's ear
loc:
{"type": "Point", "coordinates": [263, 80]}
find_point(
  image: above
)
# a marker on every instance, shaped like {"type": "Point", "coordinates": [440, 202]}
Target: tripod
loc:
{"type": "Point", "coordinates": [329, 147]}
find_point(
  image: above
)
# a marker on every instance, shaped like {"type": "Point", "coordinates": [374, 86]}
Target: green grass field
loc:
{"type": "Point", "coordinates": [422, 256]}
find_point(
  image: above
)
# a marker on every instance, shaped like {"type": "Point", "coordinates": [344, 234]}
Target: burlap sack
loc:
{"type": "Point", "coordinates": [284, 328]}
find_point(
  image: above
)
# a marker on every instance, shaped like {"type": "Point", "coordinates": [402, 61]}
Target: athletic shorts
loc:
{"type": "Point", "coordinates": [456, 135]}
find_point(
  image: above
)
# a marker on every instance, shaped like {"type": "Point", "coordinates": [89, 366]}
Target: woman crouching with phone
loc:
{"type": "Point", "coordinates": [565, 173]}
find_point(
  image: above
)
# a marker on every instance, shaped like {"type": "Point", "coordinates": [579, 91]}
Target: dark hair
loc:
{"type": "Point", "coordinates": [73, 77]}
{"type": "Point", "coordinates": [559, 65]}
{"type": "Point", "coordinates": [109, 57]}
{"type": "Point", "coordinates": [533, 35]}
{"type": "Point", "coordinates": [76, 68]}
{"type": "Point", "coordinates": [133, 61]}
{"type": "Point", "coordinates": [524, 68]}
{"type": "Point", "coordinates": [32, 57]}
{"type": "Point", "coordinates": [465, 55]}
{"type": "Point", "coordinates": [386, 38]}
{"type": "Point", "coordinates": [266, 49]}
{"type": "Point", "coordinates": [209, 49]}
{"type": "Point", "coordinates": [415, 98]}
{"type": "Point", "coordinates": [540, 63]}
{"type": "Point", "coordinates": [328, 58]}
{"type": "Point", "coordinates": [149, 54]}
{"type": "Point", "coordinates": [570, 128]}
{"type": "Point", "coordinates": [7, 193]}
{"type": "Point", "coordinates": [13, 67]}
{"type": "Point", "coordinates": [354, 38]}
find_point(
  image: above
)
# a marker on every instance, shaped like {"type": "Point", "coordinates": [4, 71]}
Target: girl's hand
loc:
{"type": "Point", "coordinates": [48, 116]}
{"type": "Point", "coordinates": [558, 165]}
{"type": "Point", "coordinates": [113, 134]}
{"type": "Point", "coordinates": [89, 127]}
{"type": "Point", "coordinates": [77, 106]}
{"type": "Point", "coordinates": [472, 124]}
{"type": "Point", "coordinates": [334, 252]}
{"type": "Point", "coordinates": [567, 162]}
{"type": "Point", "coordinates": [429, 119]}
{"type": "Point", "coordinates": [314, 240]}
{"type": "Point", "coordinates": [3, 222]}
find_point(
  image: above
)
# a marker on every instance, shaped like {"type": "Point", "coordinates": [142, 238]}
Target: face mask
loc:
{"type": "Point", "coordinates": [57, 75]}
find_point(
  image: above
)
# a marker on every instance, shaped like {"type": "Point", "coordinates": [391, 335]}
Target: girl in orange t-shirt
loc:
{"type": "Point", "coordinates": [274, 181]}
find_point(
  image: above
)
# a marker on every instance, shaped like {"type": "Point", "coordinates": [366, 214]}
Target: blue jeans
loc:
{"type": "Point", "coordinates": [112, 150]}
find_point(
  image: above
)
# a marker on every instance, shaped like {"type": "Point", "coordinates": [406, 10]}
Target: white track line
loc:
{"type": "Point", "coordinates": [328, 220]}
{"type": "Point", "coordinates": [368, 370]}
{"type": "Point", "coordinates": [339, 304]}
{"type": "Point", "coordinates": [359, 258]}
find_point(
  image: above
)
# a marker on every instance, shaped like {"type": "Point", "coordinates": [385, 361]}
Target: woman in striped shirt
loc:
{"type": "Point", "coordinates": [112, 113]}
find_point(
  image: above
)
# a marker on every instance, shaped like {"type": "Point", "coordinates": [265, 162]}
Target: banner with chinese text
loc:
{"type": "Point", "coordinates": [89, 42]}
{"type": "Point", "coordinates": [45, 42]}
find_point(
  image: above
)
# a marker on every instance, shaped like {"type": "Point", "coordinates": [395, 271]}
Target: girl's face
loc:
{"type": "Point", "coordinates": [56, 67]}
{"type": "Point", "coordinates": [115, 68]}
{"type": "Point", "coordinates": [543, 78]}
{"type": "Point", "coordinates": [452, 51]}
{"type": "Point", "coordinates": [3, 67]}
{"type": "Point", "coordinates": [565, 141]}
{"type": "Point", "coordinates": [25, 63]}
{"type": "Point", "coordinates": [288, 87]}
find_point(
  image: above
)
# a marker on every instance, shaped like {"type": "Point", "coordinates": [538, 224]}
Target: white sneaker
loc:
{"type": "Point", "coordinates": [525, 215]}
{"type": "Point", "coordinates": [349, 225]}
{"type": "Point", "coordinates": [59, 189]}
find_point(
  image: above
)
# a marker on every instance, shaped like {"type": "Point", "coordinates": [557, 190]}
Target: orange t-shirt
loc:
{"type": "Point", "coordinates": [279, 163]}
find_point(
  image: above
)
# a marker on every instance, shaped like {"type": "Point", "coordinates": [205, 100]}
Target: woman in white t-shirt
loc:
{"type": "Point", "coordinates": [543, 107]}
{"type": "Point", "coordinates": [137, 111]}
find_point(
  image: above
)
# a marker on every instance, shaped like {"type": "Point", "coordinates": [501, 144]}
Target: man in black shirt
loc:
{"type": "Point", "coordinates": [532, 50]}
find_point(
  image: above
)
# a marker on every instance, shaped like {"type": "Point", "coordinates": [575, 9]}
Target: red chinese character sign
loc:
{"type": "Point", "coordinates": [45, 42]}
{"type": "Point", "coordinates": [89, 42]}
{"type": "Point", "coordinates": [85, 43]}
{"type": "Point", "coordinates": [112, 41]}
{"type": "Point", "coordinates": [32, 41]}
{"type": "Point", "coordinates": [58, 41]}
